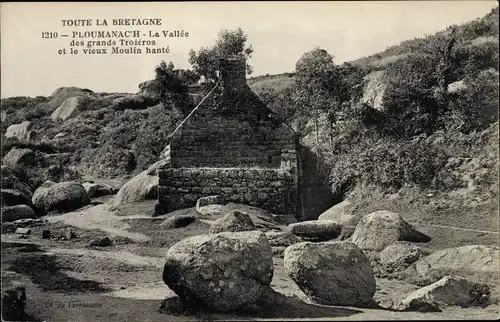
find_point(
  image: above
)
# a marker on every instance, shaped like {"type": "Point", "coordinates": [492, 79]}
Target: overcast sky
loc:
{"type": "Point", "coordinates": [280, 32]}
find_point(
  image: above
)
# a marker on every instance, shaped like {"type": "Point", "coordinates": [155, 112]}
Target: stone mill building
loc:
{"type": "Point", "coordinates": [232, 145]}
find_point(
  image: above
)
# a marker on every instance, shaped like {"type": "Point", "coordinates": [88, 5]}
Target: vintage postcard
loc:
{"type": "Point", "coordinates": [298, 160]}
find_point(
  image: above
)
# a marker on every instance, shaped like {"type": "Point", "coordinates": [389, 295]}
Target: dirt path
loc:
{"type": "Point", "coordinates": [119, 256]}
{"type": "Point", "coordinates": [99, 217]}
{"type": "Point", "coordinates": [131, 275]}
{"type": "Point", "coordinates": [458, 228]}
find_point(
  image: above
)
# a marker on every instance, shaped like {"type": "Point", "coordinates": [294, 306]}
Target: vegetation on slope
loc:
{"type": "Point", "coordinates": [424, 139]}
{"type": "Point", "coordinates": [427, 140]}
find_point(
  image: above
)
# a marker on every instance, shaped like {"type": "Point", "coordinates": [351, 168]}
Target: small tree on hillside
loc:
{"type": "Point", "coordinates": [171, 89]}
{"type": "Point", "coordinates": [319, 85]}
{"type": "Point", "coordinates": [445, 68]}
{"type": "Point", "coordinates": [229, 43]}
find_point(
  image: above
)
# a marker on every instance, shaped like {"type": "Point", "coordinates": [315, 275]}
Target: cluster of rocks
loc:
{"type": "Point", "coordinates": [231, 268]}
{"type": "Point", "coordinates": [22, 208]}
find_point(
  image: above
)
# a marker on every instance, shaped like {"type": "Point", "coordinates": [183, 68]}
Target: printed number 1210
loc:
{"type": "Point", "coordinates": [46, 34]}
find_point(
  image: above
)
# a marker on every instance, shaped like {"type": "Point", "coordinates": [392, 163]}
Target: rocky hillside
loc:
{"type": "Point", "coordinates": [101, 135]}
{"type": "Point", "coordinates": [78, 133]}
{"type": "Point", "coordinates": [378, 156]}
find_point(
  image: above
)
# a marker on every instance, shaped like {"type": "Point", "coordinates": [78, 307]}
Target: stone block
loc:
{"type": "Point", "coordinates": [277, 184]}
{"type": "Point", "coordinates": [249, 197]}
{"type": "Point", "coordinates": [186, 174]}
{"type": "Point", "coordinates": [23, 231]}
{"type": "Point", "coordinates": [262, 196]}
{"type": "Point", "coordinates": [248, 174]}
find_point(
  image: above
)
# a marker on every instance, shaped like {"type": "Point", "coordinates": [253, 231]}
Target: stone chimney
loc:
{"type": "Point", "coordinates": [232, 72]}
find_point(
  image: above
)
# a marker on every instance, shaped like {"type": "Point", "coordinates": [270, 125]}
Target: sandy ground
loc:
{"type": "Point", "coordinates": [123, 282]}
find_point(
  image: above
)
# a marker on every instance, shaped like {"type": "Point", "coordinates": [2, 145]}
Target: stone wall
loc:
{"type": "Point", "coordinates": [226, 141]}
{"type": "Point", "coordinates": [270, 189]}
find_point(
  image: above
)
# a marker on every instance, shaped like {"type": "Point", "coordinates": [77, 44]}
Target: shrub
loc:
{"type": "Point", "coordinates": [20, 109]}
{"type": "Point", "coordinates": [172, 89]}
{"type": "Point", "coordinates": [386, 163]}
{"type": "Point", "coordinates": [229, 43]}
{"type": "Point", "coordinates": [152, 135]}
{"type": "Point", "coordinates": [409, 100]}
{"type": "Point", "coordinates": [280, 102]}
{"type": "Point", "coordinates": [470, 60]}
{"type": "Point", "coordinates": [476, 107]}
{"type": "Point", "coordinates": [108, 160]}
{"type": "Point", "coordinates": [42, 146]}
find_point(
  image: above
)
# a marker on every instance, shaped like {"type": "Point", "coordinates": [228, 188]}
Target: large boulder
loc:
{"type": "Point", "coordinates": [341, 213]}
{"type": "Point", "coordinates": [448, 291]}
{"type": "Point", "coordinates": [141, 187]}
{"type": "Point", "coordinates": [69, 108]}
{"type": "Point", "coordinates": [223, 271]}
{"type": "Point", "coordinates": [17, 212]}
{"type": "Point", "coordinates": [379, 229]}
{"type": "Point", "coordinates": [457, 86]}
{"type": "Point", "coordinates": [331, 273]}
{"type": "Point", "coordinates": [374, 90]}
{"type": "Point", "coordinates": [20, 131]}
{"type": "Point", "coordinates": [400, 255]}
{"type": "Point", "coordinates": [95, 190]}
{"type": "Point", "coordinates": [233, 221]}
{"type": "Point", "coordinates": [316, 230]}
{"type": "Point", "coordinates": [12, 197]}
{"type": "Point", "coordinates": [60, 95]}
{"type": "Point", "coordinates": [459, 260]}
{"type": "Point", "coordinates": [60, 197]}
{"type": "Point", "coordinates": [19, 157]}
{"type": "Point", "coordinates": [40, 195]}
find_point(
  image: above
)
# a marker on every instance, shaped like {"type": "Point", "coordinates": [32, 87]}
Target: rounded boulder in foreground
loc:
{"type": "Point", "coordinates": [17, 212]}
{"type": "Point", "coordinates": [223, 271]}
{"type": "Point", "coordinates": [379, 229]}
{"type": "Point", "coordinates": [331, 273]}
{"type": "Point", "coordinates": [65, 196]}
